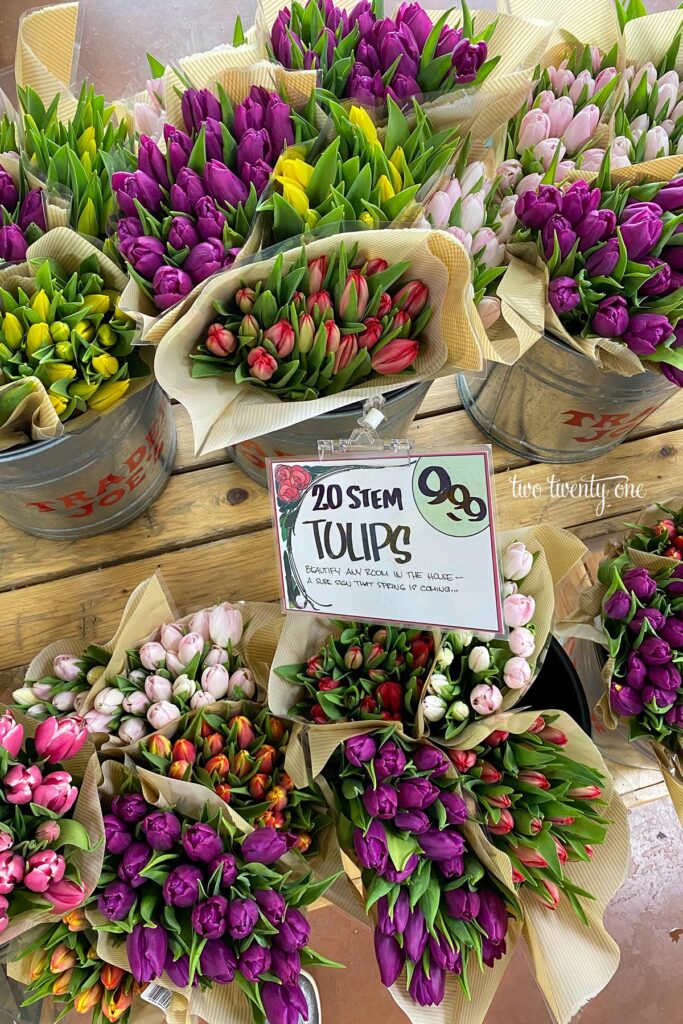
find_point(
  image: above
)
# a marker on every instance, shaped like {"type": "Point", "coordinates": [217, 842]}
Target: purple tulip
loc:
{"type": "Point", "coordinates": [660, 282]}
{"type": "Point", "coordinates": [659, 700]}
{"type": "Point", "coordinates": [400, 45]}
{"type": "Point", "coordinates": [218, 962]}
{"type": "Point", "coordinates": [493, 915]}
{"type": "Point", "coordinates": [675, 583]}
{"type": "Point", "coordinates": [636, 671]}
{"type": "Point", "coordinates": [9, 194]}
{"type": "Point", "coordinates": [456, 808]}
{"type": "Point", "coordinates": [213, 139]}
{"type": "Point", "coordinates": [170, 286]}
{"type": "Point", "coordinates": [654, 617]}
{"type": "Point", "coordinates": [492, 951]}
{"type": "Point", "coordinates": [639, 582]}
{"type": "Point", "coordinates": [136, 185]}
{"type": "Point", "coordinates": [462, 903]}
{"type": "Point", "coordinates": [673, 255]}
{"type": "Point", "coordinates": [640, 232]}
{"type": "Point", "coordinates": [671, 630]}
{"type": "Point", "coordinates": [242, 916]}
{"type": "Point", "coordinates": [265, 846]}
{"type": "Point", "coordinates": [205, 259]}
{"type": "Point", "coordinates": [417, 20]}
{"type": "Point", "coordinates": [625, 701]}
{"type": "Point", "coordinates": [145, 254]}
{"type": "Point", "coordinates": [674, 717]}
{"type": "Point", "coordinates": [646, 332]}
{"type": "Point", "coordinates": [398, 877]}
{"type": "Point", "coordinates": [654, 651]}
{"type": "Point", "coordinates": [664, 677]}
{"type": "Point", "coordinates": [285, 966]}
{"type": "Point", "coordinates": [432, 760]}
{"type": "Point", "coordinates": [670, 197]}
{"type": "Point", "coordinates": [183, 233]}
{"type": "Point", "coordinates": [178, 146]}
{"type": "Point", "coordinates": [360, 749]}
{"type": "Point", "coordinates": [672, 374]}
{"type": "Point", "coordinates": [617, 606]}
{"type": "Point", "coordinates": [223, 184]}
{"type": "Point", "coordinates": [210, 917]}
{"type": "Point", "coordinates": [294, 932]}
{"type": "Point", "coordinates": [129, 227]}
{"type": "Point", "coordinates": [115, 901]}
{"type": "Point", "coordinates": [202, 843]}
{"type": "Point", "coordinates": [468, 58]}
{"type": "Point", "coordinates": [254, 145]}
{"type": "Point", "coordinates": [32, 210]}
{"type": "Point", "coordinates": [251, 112]}
{"type": "Point", "coordinates": [131, 807]}
{"type": "Point", "coordinates": [380, 802]}
{"type": "Point", "coordinates": [116, 835]}
{"type": "Point", "coordinates": [448, 40]}
{"type": "Point", "coordinates": [278, 124]}
{"type": "Point", "coordinates": [152, 161]}
{"type": "Point", "coordinates": [427, 991]}
{"type": "Point", "coordinates": [13, 245]}
{"type": "Point", "coordinates": [416, 794]}
{"type": "Point", "coordinates": [415, 936]}
{"type": "Point", "coordinates": [146, 948]}
{"type": "Point", "coordinates": [557, 228]}
{"type": "Point", "coordinates": [611, 317]}
{"type": "Point", "coordinates": [454, 867]}
{"type": "Point", "coordinates": [603, 261]}
{"type": "Point", "coordinates": [442, 845]}
{"type": "Point", "coordinates": [179, 970]}
{"type": "Point", "coordinates": [579, 200]}
{"type": "Point", "coordinates": [595, 227]}
{"type": "Point", "coordinates": [394, 923]}
{"type": "Point", "coordinates": [256, 960]}
{"type": "Point", "coordinates": [191, 185]}
{"type": "Point", "coordinates": [412, 821]}
{"type": "Point", "coordinates": [210, 220]}
{"type": "Point", "coordinates": [535, 209]}
{"type": "Point", "coordinates": [257, 174]}
{"type": "Point", "coordinates": [389, 761]}
{"type": "Point", "coordinates": [196, 105]}
{"type": "Point", "coordinates": [390, 957]}
{"type": "Point", "coordinates": [228, 866]}
{"type": "Point", "coordinates": [135, 858]}
{"type": "Point", "coordinates": [284, 1004]}
{"type": "Point", "coordinates": [563, 294]}
{"type": "Point", "coordinates": [181, 888]}
{"type": "Point", "coordinates": [444, 955]}
{"type": "Point", "coordinates": [271, 904]}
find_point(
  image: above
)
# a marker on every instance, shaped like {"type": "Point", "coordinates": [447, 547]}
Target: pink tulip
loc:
{"type": "Point", "coordinates": [453, 191]}
{"type": "Point", "coordinates": [216, 681]}
{"type": "Point", "coordinates": [48, 831]}
{"type": "Point", "coordinates": [529, 183]}
{"type": "Point", "coordinates": [20, 783]}
{"type": "Point", "coordinates": [582, 128]}
{"type": "Point", "coordinates": [66, 667]}
{"type": "Point", "coordinates": [200, 699]}
{"type": "Point", "coordinates": [521, 642]}
{"type": "Point", "coordinates": [11, 871]}
{"type": "Point", "coordinates": [152, 655]}
{"type": "Point", "coordinates": [226, 625]}
{"type": "Point", "coordinates": [560, 114]}
{"type": "Point", "coordinates": [56, 793]}
{"type": "Point", "coordinates": [157, 688]}
{"type": "Point", "coordinates": [242, 680]}
{"type": "Point", "coordinates": [545, 151]}
{"type": "Point", "coordinates": [604, 78]}
{"type": "Point", "coordinates": [216, 656]}
{"type": "Point", "coordinates": [161, 713]}
{"type": "Point", "coordinates": [668, 127]}
{"type": "Point", "coordinates": [516, 673]}
{"type": "Point", "coordinates": [485, 699]}
{"type": "Point", "coordinates": [347, 351]}
{"type": "Point", "coordinates": [282, 336]}
{"type": "Point", "coordinates": [656, 144]}
{"type": "Point", "coordinates": [488, 309]}
{"type": "Point", "coordinates": [191, 645]}
{"type": "Point", "coordinates": [676, 113]}
{"type": "Point", "coordinates": [472, 213]}
{"type": "Point", "coordinates": [6, 841]}
{"type": "Point", "coordinates": [463, 236]}
{"type": "Point", "coordinates": [592, 159]}
{"type": "Point", "coordinates": [43, 868]}
{"type": "Point", "coordinates": [509, 172]}
{"type": "Point", "coordinates": [4, 916]}
{"type": "Point", "coordinates": [563, 169]}
{"type": "Point", "coordinates": [395, 357]}
{"type": "Point", "coordinates": [535, 127]}
{"type": "Point", "coordinates": [666, 99]}
{"type": "Point", "coordinates": [596, 58]}
{"type": "Point", "coordinates": [11, 734]}
{"type": "Point", "coordinates": [174, 665]}
{"type": "Point", "coordinates": [507, 219]}
{"type": "Point", "coordinates": [518, 610]}
{"type": "Point", "coordinates": [583, 86]}
{"type": "Point", "coordinates": [530, 858]}
{"type": "Point", "coordinates": [58, 739]}
{"type": "Point", "coordinates": [669, 78]}
{"type": "Point", "coordinates": [137, 702]}
{"type": "Point", "coordinates": [95, 721]}
{"type": "Point", "coordinates": [170, 636]}
{"type": "Point", "coordinates": [317, 270]}
{"type": "Point", "coordinates": [486, 246]}
{"type": "Point", "coordinates": [199, 623]}
{"type": "Point", "coordinates": [438, 209]}
{"type": "Point", "coordinates": [544, 100]}
{"type": "Point", "coordinates": [561, 79]}
{"type": "Point", "coordinates": [132, 730]}
{"type": "Point", "coordinates": [473, 178]}
{"type": "Point", "coordinates": [650, 71]}
{"type": "Point", "coordinates": [65, 895]}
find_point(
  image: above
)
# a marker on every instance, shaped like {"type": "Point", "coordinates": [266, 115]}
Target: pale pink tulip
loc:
{"type": "Point", "coordinates": [439, 209]}
{"type": "Point", "coordinates": [582, 128]}
{"type": "Point", "coordinates": [563, 169]}
{"type": "Point", "coordinates": [583, 87]}
{"type": "Point", "coordinates": [650, 71]}
{"type": "Point", "coordinates": [507, 219]}
{"type": "Point", "coordinates": [604, 78]}
{"type": "Point", "coordinates": [472, 214]}
{"type": "Point", "coordinates": [620, 146]}
{"type": "Point", "coordinates": [596, 58]}
{"type": "Point", "coordinates": [170, 635]}
{"type": "Point", "coordinates": [529, 182]}
{"type": "Point", "coordinates": [560, 114]}
{"type": "Point", "coordinates": [667, 96]}
{"type": "Point", "coordinates": [545, 151]}
{"type": "Point", "coordinates": [656, 144]}
{"type": "Point", "coordinates": [453, 191]}
{"type": "Point", "coordinates": [225, 625]}
{"type": "Point", "coordinates": [642, 122]}
{"type": "Point", "coordinates": [592, 159]}
{"type": "Point", "coordinates": [668, 127]}
{"type": "Point", "coordinates": [486, 246]}
{"type": "Point", "coordinates": [463, 236]}
{"type": "Point", "coordinates": [676, 113]}
{"type": "Point", "coordinates": [561, 78]}
{"type": "Point", "coordinates": [620, 160]}
{"type": "Point", "coordinates": [534, 127]}
{"type": "Point", "coordinates": [510, 172]}
{"type": "Point", "coordinates": [669, 78]}
{"type": "Point", "coordinates": [199, 623]}
{"type": "Point", "coordinates": [473, 177]}
{"type": "Point", "coordinates": [545, 100]}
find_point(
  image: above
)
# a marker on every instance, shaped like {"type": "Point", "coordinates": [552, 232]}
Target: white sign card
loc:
{"type": "Point", "coordinates": [406, 538]}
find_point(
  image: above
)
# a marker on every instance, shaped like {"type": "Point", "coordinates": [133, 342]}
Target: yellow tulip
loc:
{"type": "Point", "coordinates": [396, 179]}
{"type": "Point", "coordinates": [40, 304]}
{"type": "Point", "coordinates": [290, 153]}
{"type": "Point", "coordinates": [52, 372]}
{"type": "Point", "coordinates": [64, 350]}
{"type": "Point", "coordinates": [13, 331]}
{"type": "Point", "coordinates": [361, 118]}
{"type": "Point", "coordinates": [312, 218]}
{"type": "Point", "coordinates": [59, 331]}
{"type": "Point", "coordinates": [37, 336]}
{"type": "Point", "coordinates": [81, 389]}
{"type": "Point", "coordinates": [386, 189]}
{"type": "Point", "coordinates": [367, 219]}
{"type": "Point", "coordinates": [297, 171]}
{"type": "Point", "coordinates": [295, 196]}
{"type": "Point", "coordinates": [398, 159]}
{"type": "Point", "coordinates": [105, 335]}
{"type": "Point", "coordinates": [85, 143]}
{"type": "Point", "coordinates": [98, 302]}
{"type": "Point", "coordinates": [106, 365]}
{"type": "Point", "coordinates": [107, 394]}
{"type": "Point", "coordinates": [85, 329]}
{"type": "Point", "coordinates": [88, 222]}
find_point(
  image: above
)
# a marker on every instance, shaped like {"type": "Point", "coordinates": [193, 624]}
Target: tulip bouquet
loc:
{"type": "Point", "coordinates": [541, 807]}
{"type": "Point", "coordinates": [363, 672]}
{"type": "Point", "coordinates": [472, 675]}
{"type": "Point", "coordinates": [65, 689]}
{"type": "Point", "coordinates": [664, 537]}
{"type": "Point", "coordinates": [241, 757]}
{"type": "Point", "coordinates": [37, 796]}
{"type": "Point", "coordinates": [369, 58]}
{"type": "Point", "coordinates": [184, 666]}
{"type": "Point", "coordinates": [649, 121]}
{"type": "Point", "coordinates": [643, 623]}
{"type": "Point", "coordinates": [366, 174]}
{"type": "Point", "coordinates": [612, 259]}
{"type": "Point", "coordinates": [203, 905]}
{"type": "Point", "coordinates": [553, 128]}
{"type": "Point", "coordinates": [77, 156]}
{"type": "Point", "coordinates": [189, 206]}
{"type": "Point", "coordinates": [22, 217]}
{"type": "Point", "coordinates": [439, 912]}
{"type": "Point", "coordinates": [71, 335]}
{"type": "Point", "coordinates": [64, 966]}
{"type": "Point", "coordinates": [325, 325]}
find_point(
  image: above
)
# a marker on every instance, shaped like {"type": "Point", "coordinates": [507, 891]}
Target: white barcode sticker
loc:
{"type": "Point", "coordinates": [157, 995]}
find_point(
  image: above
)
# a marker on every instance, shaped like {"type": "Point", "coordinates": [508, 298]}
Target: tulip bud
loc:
{"type": "Point", "coordinates": [37, 337]}
{"type": "Point", "coordinates": [306, 333]}
{"type": "Point", "coordinates": [333, 335]}
{"type": "Point", "coordinates": [258, 786]}
{"type": "Point", "coordinates": [244, 733]}
{"type": "Point", "coordinates": [434, 708]}
{"type": "Point", "coordinates": [184, 687]}
{"type": "Point", "coordinates": [395, 357]}
{"type": "Point", "coordinates": [184, 750]}
{"type": "Point", "coordinates": [282, 336]}
{"type": "Point", "coordinates": [372, 333]}
{"type": "Point", "coordinates": [220, 341]}
{"type": "Point", "coordinates": [479, 659]}
{"type": "Point", "coordinates": [249, 328]}
{"type": "Point", "coordinates": [353, 659]}
{"type": "Point", "coordinates": [180, 770]}
{"type": "Point", "coordinates": [218, 765]}
{"type": "Point", "coordinates": [160, 746]}
{"type": "Point", "coordinates": [317, 272]}
{"type": "Point", "coordinates": [245, 299]}
{"type": "Point", "coordinates": [386, 304]}
{"type": "Point", "coordinates": [412, 298]}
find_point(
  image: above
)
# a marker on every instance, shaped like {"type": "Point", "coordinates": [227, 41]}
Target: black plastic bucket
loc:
{"type": "Point", "coordinates": [557, 687]}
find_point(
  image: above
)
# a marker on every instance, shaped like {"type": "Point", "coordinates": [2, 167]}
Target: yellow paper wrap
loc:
{"type": "Point", "coordinates": [45, 52]}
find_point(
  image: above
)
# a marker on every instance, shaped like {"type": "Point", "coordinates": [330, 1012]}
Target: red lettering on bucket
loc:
{"type": "Point", "coordinates": [107, 493]}
{"type": "Point", "coordinates": [613, 425]}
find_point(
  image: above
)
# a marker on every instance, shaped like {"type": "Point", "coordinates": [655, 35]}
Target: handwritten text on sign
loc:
{"type": "Point", "coordinates": [401, 538]}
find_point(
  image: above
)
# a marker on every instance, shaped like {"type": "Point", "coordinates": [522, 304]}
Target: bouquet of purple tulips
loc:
{"type": "Point", "coordinates": [613, 261]}
{"type": "Point", "coordinates": [438, 910]}
{"type": "Point", "coordinates": [188, 208]}
{"type": "Point", "coordinates": [366, 57]}
{"type": "Point", "coordinates": [22, 217]}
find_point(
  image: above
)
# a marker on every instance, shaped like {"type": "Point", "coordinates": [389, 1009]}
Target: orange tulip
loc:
{"type": "Point", "coordinates": [214, 743]}
{"type": "Point", "coordinates": [218, 764]}
{"type": "Point", "coordinates": [286, 782]}
{"type": "Point", "coordinates": [267, 756]}
{"type": "Point", "coordinates": [111, 977]}
{"type": "Point", "coordinates": [272, 819]}
{"type": "Point", "coordinates": [76, 920]}
{"type": "Point", "coordinates": [224, 791]}
{"type": "Point", "coordinates": [61, 984]}
{"type": "Point", "coordinates": [115, 1004]}
{"type": "Point", "coordinates": [160, 745]}
{"type": "Point", "coordinates": [62, 959]}
{"type": "Point", "coordinates": [184, 750]}
{"type": "Point", "coordinates": [85, 1000]}
{"type": "Point", "coordinates": [303, 841]}
{"type": "Point", "coordinates": [277, 798]}
{"type": "Point", "coordinates": [242, 764]}
{"type": "Point", "coordinates": [180, 769]}
{"type": "Point", "coordinates": [39, 963]}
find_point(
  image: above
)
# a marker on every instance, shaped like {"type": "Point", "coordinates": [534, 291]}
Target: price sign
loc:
{"type": "Point", "coordinates": [390, 538]}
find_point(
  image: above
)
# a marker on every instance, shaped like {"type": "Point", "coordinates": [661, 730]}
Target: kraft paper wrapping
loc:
{"type": "Point", "coordinates": [44, 55]}
{"type": "Point", "coordinates": [593, 20]}
{"type": "Point", "coordinates": [224, 413]}
{"type": "Point", "coordinates": [34, 419]}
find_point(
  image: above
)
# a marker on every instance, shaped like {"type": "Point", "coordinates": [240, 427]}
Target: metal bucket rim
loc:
{"type": "Point", "coordinates": [570, 350]}
{"type": "Point", "coordinates": [344, 410]}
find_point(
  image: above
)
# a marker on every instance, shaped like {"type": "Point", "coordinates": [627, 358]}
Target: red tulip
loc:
{"type": "Point", "coordinates": [317, 272]}
{"type": "Point", "coordinates": [550, 901]}
{"type": "Point", "coordinates": [395, 357]}
{"type": "Point", "coordinates": [505, 824]}
{"type": "Point", "coordinates": [536, 779]}
{"type": "Point", "coordinates": [390, 696]}
{"type": "Point", "coordinates": [220, 341]}
{"type": "Point", "coordinates": [277, 798]}
{"type": "Point", "coordinates": [537, 725]}
{"type": "Point", "coordinates": [495, 738]}
{"type": "Point", "coordinates": [267, 757]}
{"type": "Point", "coordinates": [184, 750]}
{"type": "Point", "coordinates": [318, 715]}
{"type": "Point", "coordinates": [355, 295]}
{"type": "Point", "coordinates": [585, 793]}
{"type": "Point", "coordinates": [529, 858]}
{"type": "Point", "coordinates": [368, 705]}
{"type": "Point", "coordinates": [303, 842]}
{"type": "Point", "coordinates": [552, 735]}
{"type": "Point", "coordinates": [282, 336]}
{"type": "Point", "coordinates": [224, 791]}
{"type": "Point", "coordinates": [489, 773]}
{"type": "Point", "coordinates": [412, 298]}
{"type": "Point", "coordinates": [328, 683]}
{"type": "Point", "coordinates": [218, 764]}
{"type": "Point", "coordinates": [375, 266]}
{"type": "Point", "coordinates": [180, 769]}
{"type": "Point", "coordinates": [242, 764]}
{"type": "Point", "coordinates": [244, 733]}
{"type": "Point", "coordinates": [258, 786]}
{"type": "Point", "coordinates": [372, 333]}
{"type": "Point", "coordinates": [214, 744]}
{"type": "Point", "coordinates": [386, 304]}
{"type": "Point", "coordinates": [463, 759]}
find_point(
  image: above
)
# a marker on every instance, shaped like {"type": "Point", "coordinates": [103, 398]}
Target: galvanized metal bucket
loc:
{"type": "Point", "coordinates": [554, 405]}
{"type": "Point", "coordinates": [93, 480]}
{"type": "Point", "coordinates": [301, 439]}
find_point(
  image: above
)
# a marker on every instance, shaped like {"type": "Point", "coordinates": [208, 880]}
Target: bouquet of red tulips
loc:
{"type": "Point", "coordinates": [239, 753]}
{"type": "Point", "coordinates": [661, 533]}
{"type": "Point", "coordinates": [321, 327]}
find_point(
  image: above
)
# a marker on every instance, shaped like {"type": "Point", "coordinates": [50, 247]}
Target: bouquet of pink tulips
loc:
{"type": "Point", "coordinates": [649, 121]}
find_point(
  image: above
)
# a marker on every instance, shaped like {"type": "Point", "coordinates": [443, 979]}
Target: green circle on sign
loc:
{"type": "Point", "coordinates": [451, 494]}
